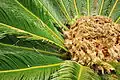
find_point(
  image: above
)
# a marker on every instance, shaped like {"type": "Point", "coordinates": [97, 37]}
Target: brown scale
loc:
{"type": "Point", "coordinates": [93, 39]}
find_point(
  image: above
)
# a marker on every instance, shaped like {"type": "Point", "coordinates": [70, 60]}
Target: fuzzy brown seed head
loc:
{"type": "Point", "coordinates": [92, 39]}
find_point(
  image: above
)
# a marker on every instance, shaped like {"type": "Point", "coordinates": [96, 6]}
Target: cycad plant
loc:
{"type": "Point", "coordinates": [59, 39]}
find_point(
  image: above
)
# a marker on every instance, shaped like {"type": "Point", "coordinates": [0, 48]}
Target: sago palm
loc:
{"type": "Point", "coordinates": [59, 39]}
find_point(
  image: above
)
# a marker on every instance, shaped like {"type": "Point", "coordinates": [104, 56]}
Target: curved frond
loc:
{"type": "Point", "coordinates": [14, 14]}
{"type": "Point", "coordinates": [21, 35]}
{"type": "Point", "coordinates": [31, 38]}
{"type": "Point", "coordinates": [54, 11]}
{"type": "Point", "coordinates": [111, 9]}
{"type": "Point", "coordinates": [74, 71]}
{"type": "Point", "coordinates": [36, 8]}
{"type": "Point", "coordinates": [115, 12]}
{"type": "Point", "coordinates": [70, 7]}
{"type": "Point", "coordinates": [32, 73]}
{"type": "Point", "coordinates": [18, 63]}
{"type": "Point", "coordinates": [82, 7]}
{"type": "Point", "coordinates": [95, 6]}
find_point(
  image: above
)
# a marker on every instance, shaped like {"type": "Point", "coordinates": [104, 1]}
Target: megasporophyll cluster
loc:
{"type": "Point", "coordinates": [93, 40]}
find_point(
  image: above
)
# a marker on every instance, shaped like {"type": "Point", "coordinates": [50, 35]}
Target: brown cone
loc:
{"type": "Point", "coordinates": [93, 39]}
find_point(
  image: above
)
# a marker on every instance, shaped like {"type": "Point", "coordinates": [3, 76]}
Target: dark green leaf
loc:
{"type": "Point", "coordinates": [18, 63]}
{"type": "Point", "coordinates": [16, 15]}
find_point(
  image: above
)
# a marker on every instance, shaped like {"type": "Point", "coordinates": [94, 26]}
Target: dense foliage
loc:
{"type": "Point", "coordinates": [32, 42]}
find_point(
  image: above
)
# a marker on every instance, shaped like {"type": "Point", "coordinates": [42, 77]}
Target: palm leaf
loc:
{"type": "Point", "coordinates": [33, 73]}
{"type": "Point", "coordinates": [14, 53]}
{"type": "Point", "coordinates": [14, 14]}
{"type": "Point", "coordinates": [111, 9]}
{"type": "Point", "coordinates": [115, 12]}
{"type": "Point", "coordinates": [36, 8]}
{"type": "Point", "coordinates": [69, 8]}
{"type": "Point", "coordinates": [81, 7]}
{"type": "Point", "coordinates": [106, 7]}
{"type": "Point", "coordinates": [23, 36]}
{"type": "Point", "coordinates": [87, 7]}
{"type": "Point", "coordinates": [73, 71]}
{"type": "Point", "coordinates": [54, 11]}
{"type": "Point", "coordinates": [95, 6]}
{"type": "Point", "coordinates": [21, 63]}
{"type": "Point", "coordinates": [30, 29]}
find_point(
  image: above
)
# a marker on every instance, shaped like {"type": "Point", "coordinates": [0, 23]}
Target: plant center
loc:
{"type": "Point", "coordinates": [93, 39]}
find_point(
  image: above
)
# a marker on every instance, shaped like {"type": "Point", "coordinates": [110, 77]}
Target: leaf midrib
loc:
{"type": "Point", "coordinates": [36, 36]}
{"type": "Point", "coordinates": [76, 9]}
{"type": "Point", "coordinates": [117, 20]}
{"type": "Point", "coordinates": [88, 7]}
{"type": "Point", "coordinates": [45, 66]}
{"type": "Point", "coordinates": [39, 20]}
{"type": "Point", "coordinates": [63, 9]}
{"type": "Point", "coordinates": [38, 50]}
{"type": "Point", "coordinates": [113, 8]}
{"type": "Point", "coordinates": [101, 7]}
{"type": "Point", "coordinates": [80, 72]}
{"type": "Point", "coordinates": [59, 23]}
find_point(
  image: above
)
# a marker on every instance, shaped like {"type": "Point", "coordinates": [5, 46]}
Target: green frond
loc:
{"type": "Point", "coordinates": [17, 16]}
{"type": "Point", "coordinates": [74, 71]}
{"type": "Point", "coordinates": [20, 63]}
{"type": "Point", "coordinates": [82, 7]}
{"type": "Point", "coordinates": [6, 30]}
{"type": "Point", "coordinates": [32, 39]}
{"type": "Point", "coordinates": [111, 9]}
{"type": "Point", "coordinates": [115, 12]}
{"type": "Point", "coordinates": [54, 11]}
{"type": "Point", "coordinates": [36, 8]}
{"type": "Point", "coordinates": [32, 73]}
